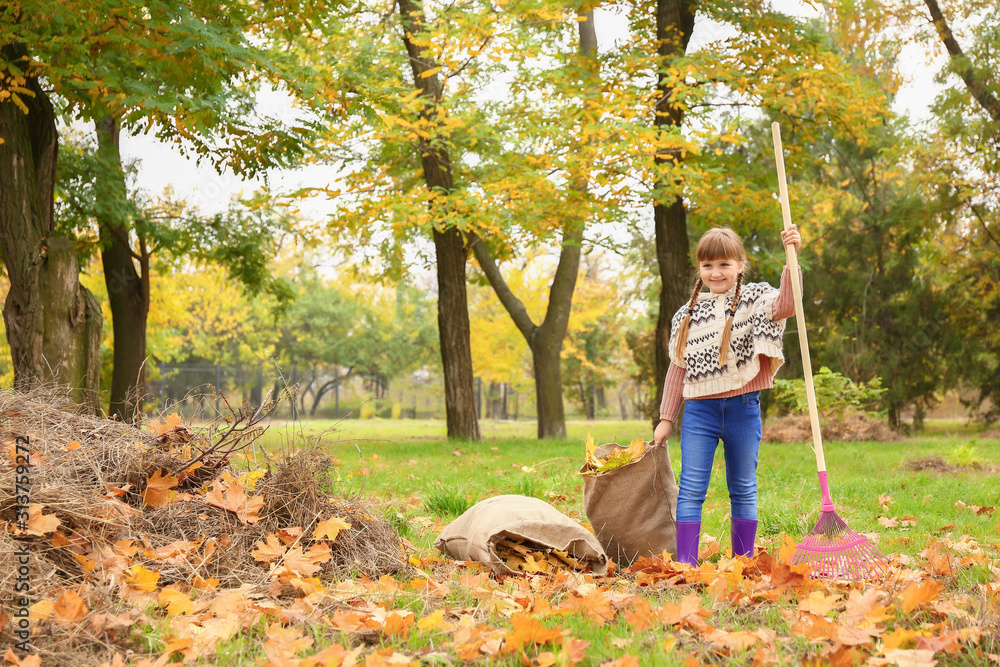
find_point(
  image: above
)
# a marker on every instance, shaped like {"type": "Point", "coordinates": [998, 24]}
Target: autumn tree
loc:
{"type": "Point", "coordinates": [53, 324]}
{"type": "Point", "coordinates": [242, 238]}
{"type": "Point", "coordinates": [185, 71]}
{"type": "Point", "coordinates": [966, 161]}
{"type": "Point", "coordinates": [546, 338]}
{"type": "Point", "coordinates": [341, 329]}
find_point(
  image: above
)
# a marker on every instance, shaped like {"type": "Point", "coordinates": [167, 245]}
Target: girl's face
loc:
{"type": "Point", "coordinates": [720, 274]}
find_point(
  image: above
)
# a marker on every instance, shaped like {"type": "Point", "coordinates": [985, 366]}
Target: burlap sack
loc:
{"type": "Point", "coordinates": [473, 535]}
{"type": "Point", "coordinates": [633, 509]}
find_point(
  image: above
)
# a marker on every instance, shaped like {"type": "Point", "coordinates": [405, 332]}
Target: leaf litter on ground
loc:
{"type": "Point", "coordinates": [110, 594]}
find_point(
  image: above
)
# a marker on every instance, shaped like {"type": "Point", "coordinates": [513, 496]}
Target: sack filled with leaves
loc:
{"type": "Point", "coordinates": [630, 498]}
{"type": "Point", "coordinates": [514, 533]}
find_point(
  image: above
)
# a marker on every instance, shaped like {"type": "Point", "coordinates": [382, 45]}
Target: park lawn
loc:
{"type": "Point", "coordinates": [941, 605]}
{"type": "Point", "coordinates": [427, 480]}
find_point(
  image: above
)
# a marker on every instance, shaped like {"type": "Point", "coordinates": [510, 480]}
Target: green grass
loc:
{"type": "Point", "coordinates": [411, 466]}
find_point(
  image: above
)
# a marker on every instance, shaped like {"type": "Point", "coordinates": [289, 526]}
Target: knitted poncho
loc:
{"type": "Point", "coordinates": [754, 333]}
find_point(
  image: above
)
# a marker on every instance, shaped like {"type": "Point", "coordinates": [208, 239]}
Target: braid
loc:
{"type": "Point", "coordinates": [682, 330]}
{"type": "Point", "coordinates": [727, 329]}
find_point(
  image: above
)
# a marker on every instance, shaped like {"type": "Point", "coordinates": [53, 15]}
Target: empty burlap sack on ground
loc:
{"type": "Point", "coordinates": [473, 535]}
{"type": "Point", "coordinates": [633, 509]}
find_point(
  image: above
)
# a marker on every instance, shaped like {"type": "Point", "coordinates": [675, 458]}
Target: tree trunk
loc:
{"type": "Point", "coordinates": [449, 245]}
{"type": "Point", "coordinates": [53, 323]}
{"type": "Point", "coordinates": [674, 24]}
{"type": "Point", "coordinates": [962, 65]}
{"type": "Point", "coordinates": [128, 289]}
{"type": "Point", "coordinates": [546, 340]}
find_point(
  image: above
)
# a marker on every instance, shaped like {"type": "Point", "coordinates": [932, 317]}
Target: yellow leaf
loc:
{"type": "Point", "coordinates": [176, 601]}
{"type": "Point", "coordinates": [431, 72]}
{"type": "Point", "coordinates": [330, 528]}
{"type": "Point", "coordinates": [141, 578]}
{"type": "Point", "coordinates": [41, 610]}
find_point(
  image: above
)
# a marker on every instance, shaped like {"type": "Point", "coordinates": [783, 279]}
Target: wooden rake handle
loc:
{"type": "Point", "coordinates": [793, 268]}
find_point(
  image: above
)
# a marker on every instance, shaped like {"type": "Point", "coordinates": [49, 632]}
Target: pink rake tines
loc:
{"type": "Point", "coordinates": [835, 551]}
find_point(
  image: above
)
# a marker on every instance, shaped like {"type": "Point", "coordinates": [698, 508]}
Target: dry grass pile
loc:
{"type": "Point", "coordinates": [132, 501]}
{"type": "Point", "coordinates": [853, 428]}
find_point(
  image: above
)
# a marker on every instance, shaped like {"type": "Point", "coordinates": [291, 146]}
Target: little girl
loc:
{"type": "Point", "coordinates": [725, 347]}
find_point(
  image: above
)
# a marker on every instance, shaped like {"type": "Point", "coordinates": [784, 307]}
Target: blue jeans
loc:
{"type": "Point", "coordinates": [735, 421]}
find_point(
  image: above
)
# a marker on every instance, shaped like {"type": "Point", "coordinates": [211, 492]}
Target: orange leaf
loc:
{"type": "Point", "coordinates": [330, 528]}
{"type": "Point", "coordinates": [643, 617]}
{"type": "Point", "coordinates": [40, 524]}
{"type": "Point", "coordinates": [397, 625]}
{"type": "Point", "coordinates": [27, 661]}
{"type": "Point", "coordinates": [529, 632]}
{"type": "Point", "coordinates": [574, 650]}
{"type": "Point", "coordinates": [289, 535]}
{"type": "Point", "coordinates": [856, 636]}
{"type": "Point", "coordinates": [70, 607]}
{"type": "Point", "coordinates": [234, 499]}
{"type": "Point", "coordinates": [269, 549]}
{"type": "Point", "coordinates": [916, 594]}
{"type": "Point", "coordinates": [594, 607]}
{"type": "Point", "coordinates": [283, 644]}
{"type": "Point", "coordinates": [87, 564]}
{"type": "Point", "coordinates": [73, 445]}
{"type": "Point", "coordinates": [300, 563]}
{"type": "Point", "coordinates": [158, 490]}
{"type": "Point", "coordinates": [688, 612]}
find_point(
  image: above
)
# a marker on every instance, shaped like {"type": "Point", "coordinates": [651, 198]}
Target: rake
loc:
{"type": "Point", "coordinates": [832, 549]}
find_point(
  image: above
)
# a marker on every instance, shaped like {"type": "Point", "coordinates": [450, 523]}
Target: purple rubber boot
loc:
{"type": "Point", "coordinates": [688, 533]}
{"type": "Point", "coordinates": [743, 532]}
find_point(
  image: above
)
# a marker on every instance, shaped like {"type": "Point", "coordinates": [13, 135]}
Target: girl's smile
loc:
{"type": "Point", "coordinates": [719, 275]}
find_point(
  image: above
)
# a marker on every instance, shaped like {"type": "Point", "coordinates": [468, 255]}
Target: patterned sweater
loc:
{"type": "Point", "coordinates": [754, 354]}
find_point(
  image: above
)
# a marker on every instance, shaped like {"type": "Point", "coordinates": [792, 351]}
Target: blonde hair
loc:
{"type": "Point", "coordinates": [714, 245]}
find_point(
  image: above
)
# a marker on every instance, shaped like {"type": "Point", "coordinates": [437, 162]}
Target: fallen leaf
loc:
{"type": "Point", "coordinates": [330, 528]}
{"type": "Point", "coordinates": [529, 632]}
{"type": "Point", "coordinates": [300, 562]}
{"type": "Point", "coordinates": [70, 607]}
{"type": "Point", "coordinates": [290, 535]}
{"type": "Point", "coordinates": [917, 594]}
{"type": "Point", "coordinates": [397, 625]}
{"type": "Point", "coordinates": [283, 644]}
{"type": "Point", "coordinates": [819, 603]}
{"type": "Point", "coordinates": [141, 578]}
{"type": "Point", "coordinates": [73, 445]}
{"type": "Point", "coordinates": [269, 549]}
{"type": "Point", "coordinates": [234, 499]}
{"type": "Point", "coordinates": [788, 548]}
{"type": "Point", "coordinates": [176, 602]}
{"type": "Point", "coordinates": [910, 658]}
{"type": "Point", "coordinates": [158, 491]}
{"type": "Point", "coordinates": [33, 660]}
{"type": "Point", "coordinates": [40, 524]}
